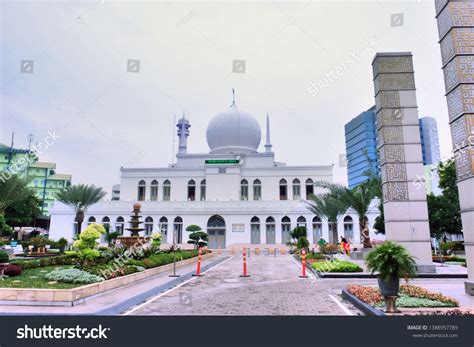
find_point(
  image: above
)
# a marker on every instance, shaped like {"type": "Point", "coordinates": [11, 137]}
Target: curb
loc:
{"type": "Point", "coordinates": [367, 309]}
{"type": "Point", "coordinates": [368, 275]}
{"type": "Point", "coordinates": [123, 306]}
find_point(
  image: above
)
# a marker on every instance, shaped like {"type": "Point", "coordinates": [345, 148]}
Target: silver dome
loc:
{"type": "Point", "coordinates": [233, 131]}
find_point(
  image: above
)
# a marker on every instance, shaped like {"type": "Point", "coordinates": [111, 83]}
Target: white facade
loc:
{"type": "Point", "coordinates": [222, 191]}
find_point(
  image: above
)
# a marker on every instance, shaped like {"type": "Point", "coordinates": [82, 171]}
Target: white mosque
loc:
{"type": "Point", "coordinates": [238, 194]}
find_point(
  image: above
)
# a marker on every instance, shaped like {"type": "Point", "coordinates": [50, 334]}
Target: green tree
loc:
{"type": "Point", "coordinates": [359, 199]}
{"type": "Point", "coordinates": [330, 207]}
{"type": "Point", "coordinates": [197, 237]}
{"type": "Point", "coordinates": [299, 235]}
{"type": "Point", "coordinates": [23, 211]}
{"type": "Point", "coordinates": [5, 229]}
{"type": "Point", "coordinates": [12, 190]}
{"type": "Point", "coordinates": [443, 210]}
{"type": "Point", "coordinates": [80, 197]}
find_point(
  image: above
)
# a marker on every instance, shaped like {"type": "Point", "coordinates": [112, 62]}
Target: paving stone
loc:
{"type": "Point", "coordinates": [274, 288]}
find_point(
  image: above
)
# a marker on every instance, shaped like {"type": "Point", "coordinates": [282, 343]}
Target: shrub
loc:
{"type": "Point", "coordinates": [73, 276]}
{"type": "Point", "coordinates": [89, 236]}
{"type": "Point", "coordinates": [89, 254]}
{"type": "Point", "coordinates": [4, 257]}
{"type": "Point", "coordinates": [316, 256]}
{"type": "Point", "coordinates": [62, 242]}
{"type": "Point", "coordinates": [49, 261]}
{"type": "Point", "coordinates": [11, 270]}
{"type": "Point", "coordinates": [27, 264]}
{"type": "Point", "coordinates": [302, 243]}
{"type": "Point", "coordinates": [336, 266]}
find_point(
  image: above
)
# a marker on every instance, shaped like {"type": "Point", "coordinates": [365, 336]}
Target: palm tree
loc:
{"type": "Point", "coordinates": [12, 189]}
{"type": "Point", "coordinates": [359, 199]}
{"type": "Point", "coordinates": [329, 206]}
{"type": "Point", "coordinates": [80, 197]}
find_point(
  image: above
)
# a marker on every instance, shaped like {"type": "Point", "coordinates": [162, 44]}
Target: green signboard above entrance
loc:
{"type": "Point", "coordinates": [222, 161]}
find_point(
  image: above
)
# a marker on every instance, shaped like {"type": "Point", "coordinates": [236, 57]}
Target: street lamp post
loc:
{"type": "Point", "coordinates": [174, 254]}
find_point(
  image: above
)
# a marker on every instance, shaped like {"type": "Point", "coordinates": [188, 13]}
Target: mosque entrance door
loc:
{"type": "Point", "coordinates": [216, 232]}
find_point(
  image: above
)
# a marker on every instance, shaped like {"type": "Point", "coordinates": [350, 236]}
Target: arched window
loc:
{"type": "Point", "coordinates": [91, 220]}
{"type": "Point", "coordinates": [141, 190]}
{"type": "Point", "coordinates": [203, 190]}
{"type": "Point", "coordinates": [283, 190]}
{"type": "Point", "coordinates": [296, 189]}
{"type": "Point", "coordinates": [257, 190]}
{"type": "Point", "coordinates": [148, 226]}
{"type": "Point", "coordinates": [178, 229]}
{"type": "Point", "coordinates": [244, 190]}
{"type": "Point", "coordinates": [348, 228]}
{"type": "Point", "coordinates": [164, 229]}
{"type": "Point", "coordinates": [106, 223]}
{"type": "Point", "coordinates": [285, 230]}
{"type": "Point", "coordinates": [309, 188]}
{"type": "Point", "coordinates": [119, 225]}
{"type": "Point", "coordinates": [191, 190]}
{"type": "Point", "coordinates": [270, 230]}
{"type": "Point", "coordinates": [166, 190]}
{"type": "Point", "coordinates": [255, 230]}
{"type": "Point", "coordinates": [301, 222]}
{"type": "Point", "coordinates": [317, 229]}
{"type": "Point", "coordinates": [154, 190]}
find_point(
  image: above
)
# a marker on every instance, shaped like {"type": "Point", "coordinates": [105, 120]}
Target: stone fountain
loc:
{"type": "Point", "coordinates": [134, 240]}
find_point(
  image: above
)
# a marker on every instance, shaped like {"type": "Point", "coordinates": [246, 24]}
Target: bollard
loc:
{"type": "Point", "coordinates": [232, 251]}
{"type": "Point", "coordinates": [257, 251]}
{"type": "Point", "coordinates": [244, 256]}
{"type": "Point", "coordinates": [219, 250]}
{"type": "Point", "coordinates": [198, 270]}
{"type": "Point", "coordinates": [303, 264]}
{"type": "Point", "coordinates": [248, 252]}
{"type": "Point", "coordinates": [274, 253]}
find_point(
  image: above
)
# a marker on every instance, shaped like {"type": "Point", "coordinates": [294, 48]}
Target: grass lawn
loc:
{"type": "Point", "coordinates": [34, 278]}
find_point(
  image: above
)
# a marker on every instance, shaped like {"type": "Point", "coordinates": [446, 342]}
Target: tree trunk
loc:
{"type": "Point", "coordinates": [79, 220]}
{"type": "Point", "coordinates": [335, 236]}
{"type": "Point", "coordinates": [364, 233]}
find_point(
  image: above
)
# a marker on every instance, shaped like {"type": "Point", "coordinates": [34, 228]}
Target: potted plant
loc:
{"type": "Point", "coordinates": [392, 262]}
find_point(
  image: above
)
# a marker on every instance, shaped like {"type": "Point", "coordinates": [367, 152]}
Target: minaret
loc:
{"type": "Point", "coordinates": [183, 133]}
{"type": "Point", "coordinates": [268, 145]}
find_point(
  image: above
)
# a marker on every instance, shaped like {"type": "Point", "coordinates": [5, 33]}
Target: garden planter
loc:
{"type": "Point", "coordinates": [389, 288]}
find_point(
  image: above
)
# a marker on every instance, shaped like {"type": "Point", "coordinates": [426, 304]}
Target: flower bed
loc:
{"type": "Point", "coordinates": [336, 266]}
{"type": "Point", "coordinates": [106, 270]}
{"type": "Point", "coordinates": [410, 296]}
{"type": "Point", "coordinates": [38, 291]}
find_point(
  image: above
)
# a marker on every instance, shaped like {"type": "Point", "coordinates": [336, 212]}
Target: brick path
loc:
{"type": "Point", "coordinates": [273, 289]}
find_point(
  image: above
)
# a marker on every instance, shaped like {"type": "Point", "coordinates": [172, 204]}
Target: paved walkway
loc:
{"type": "Point", "coordinates": [274, 288]}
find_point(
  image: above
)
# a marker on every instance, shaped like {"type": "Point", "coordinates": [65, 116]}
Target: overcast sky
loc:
{"type": "Point", "coordinates": [107, 117]}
